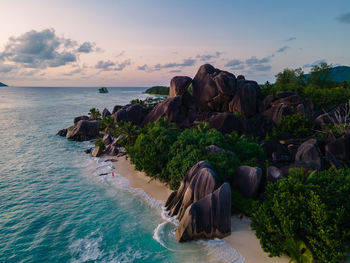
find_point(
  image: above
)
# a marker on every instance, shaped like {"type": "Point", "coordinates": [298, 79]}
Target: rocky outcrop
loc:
{"type": "Point", "coordinates": [199, 181]}
{"type": "Point", "coordinates": [273, 174]}
{"type": "Point", "coordinates": [227, 122]}
{"type": "Point", "coordinates": [105, 113]}
{"type": "Point", "coordinates": [62, 132]}
{"type": "Point", "coordinates": [172, 108]}
{"type": "Point", "coordinates": [209, 217]}
{"type": "Point", "coordinates": [309, 155]}
{"type": "Point", "coordinates": [83, 130]}
{"type": "Point", "coordinates": [116, 108]}
{"type": "Point", "coordinates": [247, 180]}
{"type": "Point", "coordinates": [97, 151]}
{"type": "Point", "coordinates": [77, 119]}
{"type": "Point", "coordinates": [340, 149]}
{"type": "Point", "coordinates": [133, 113]}
{"type": "Point", "coordinates": [246, 100]}
{"type": "Point", "coordinates": [285, 103]}
{"type": "Point", "coordinates": [179, 85]}
{"type": "Point", "coordinates": [213, 88]}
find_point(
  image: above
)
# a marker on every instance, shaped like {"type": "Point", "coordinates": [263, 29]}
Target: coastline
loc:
{"type": "Point", "coordinates": [242, 237]}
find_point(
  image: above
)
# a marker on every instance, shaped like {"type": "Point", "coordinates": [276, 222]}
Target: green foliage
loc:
{"type": "Point", "coordinates": [148, 103]}
{"type": "Point", "coordinates": [295, 125]}
{"type": "Point", "coordinates": [241, 205]}
{"type": "Point", "coordinates": [338, 130]}
{"type": "Point", "coordinates": [100, 143]}
{"type": "Point", "coordinates": [158, 90]}
{"type": "Point", "coordinates": [317, 86]}
{"type": "Point", "coordinates": [107, 124]}
{"type": "Point", "coordinates": [128, 130]}
{"type": "Point", "coordinates": [94, 114]}
{"type": "Point", "coordinates": [306, 216]}
{"type": "Point", "coordinates": [150, 152]}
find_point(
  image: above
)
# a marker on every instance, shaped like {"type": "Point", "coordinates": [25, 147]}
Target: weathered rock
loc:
{"type": "Point", "coordinates": [266, 103]}
{"type": "Point", "coordinates": [247, 180]}
{"type": "Point", "coordinates": [246, 99]}
{"type": "Point", "coordinates": [77, 119]}
{"type": "Point", "coordinates": [111, 150]}
{"type": "Point", "coordinates": [208, 218]}
{"type": "Point", "coordinates": [107, 139]}
{"type": "Point", "coordinates": [275, 113]}
{"type": "Point", "coordinates": [199, 181]}
{"type": "Point", "coordinates": [208, 84]}
{"type": "Point", "coordinates": [62, 132]}
{"type": "Point", "coordinates": [97, 151]}
{"type": "Point", "coordinates": [105, 113]}
{"type": "Point", "coordinates": [227, 122]}
{"type": "Point", "coordinates": [133, 113]}
{"type": "Point", "coordinates": [259, 126]}
{"type": "Point", "coordinates": [83, 130]}
{"type": "Point", "coordinates": [271, 147]}
{"type": "Point", "coordinates": [172, 108]}
{"type": "Point", "coordinates": [340, 148]}
{"type": "Point", "coordinates": [215, 149]}
{"type": "Point", "coordinates": [273, 174]}
{"type": "Point", "coordinates": [116, 108]}
{"type": "Point", "coordinates": [179, 85]}
{"type": "Point", "coordinates": [309, 155]}
{"type": "Point", "coordinates": [284, 94]}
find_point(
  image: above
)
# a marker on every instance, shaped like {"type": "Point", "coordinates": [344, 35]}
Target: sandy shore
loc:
{"type": "Point", "coordinates": [242, 237]}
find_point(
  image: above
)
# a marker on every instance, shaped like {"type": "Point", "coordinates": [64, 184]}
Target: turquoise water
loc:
{"type": "Point", "coordinates": [53, 206]}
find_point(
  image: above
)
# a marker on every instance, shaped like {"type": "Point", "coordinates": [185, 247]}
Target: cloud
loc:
{"type": "Point", "coordinates": [235, 64]}
{"type": "Point", "coordinates": [110, 65]}
{"type": "Point", "coordinates": [261, 67]}
{"type": "Point", "coordinates": [344, 18]}
{"type": "Point", "coordinates": [207, 57]}
{"type": "Point", "coordinates": [43, 49]}
{"type": "Point", "coordinates": [122, 53]}
{"type": "Point", "coordinates": [86, 47]}
{"type": "Point", "coordinates": [175, 71]}
{"type": "Point", "coordinates": [188, 62]}
{"type": "Point", "coordinates": [254, 60]}
{"type": "Point", "coordinates": [6, 68]}
{"type": "Point", "coordinates": [282, 49]}
{"type": "Point", "coordinates": [73, 72]}
{"type": "Point", "coordinates": [290, 39]}
{"type": "Point", "coordinates": [317, 62]}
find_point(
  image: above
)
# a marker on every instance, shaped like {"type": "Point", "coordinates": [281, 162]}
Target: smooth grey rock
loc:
{"type": "Point", "coordinates": [106, 113]}
{"type": "Point", "coordinates": [133, 113]}
{"type": "Point", "coordinates": [208, 218]}
{"type": "Point", "coordinates": [79, 118]}
{"type": "Point", "coordinates": [83, 130]}
{"type": "Point", "coordinates": [179, 85]}
{"type": "Point", "coordinates": [273, 174]}
{"type": "Point", "coordinates": [309, 155]}
{"type": "Point", "coordinates": [247, 180]}
{"type": "Point", "coordinates": [97, 151]}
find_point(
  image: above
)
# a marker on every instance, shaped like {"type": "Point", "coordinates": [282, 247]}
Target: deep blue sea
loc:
{"type": "Point", "coordinates": [53, 205]}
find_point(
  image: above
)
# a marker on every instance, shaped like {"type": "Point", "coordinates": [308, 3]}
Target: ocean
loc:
{"type": "Point", "coordinates": [53, 205]}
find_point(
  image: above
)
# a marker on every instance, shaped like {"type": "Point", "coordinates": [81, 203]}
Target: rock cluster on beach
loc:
{"type": "Point", "coordinates": [202, 207]}
{"type": "Point", "coordinates": [228, 103]}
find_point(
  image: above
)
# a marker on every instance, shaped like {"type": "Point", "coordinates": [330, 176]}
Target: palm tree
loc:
{"type": "Point", "coordinates": [94, 114]}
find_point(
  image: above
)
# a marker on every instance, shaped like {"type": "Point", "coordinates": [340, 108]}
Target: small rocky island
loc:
{"type": "Point", "coordinates": [3, 84]}
{"type": "Point", "coordinates": [227, 145]}
{"type": "Point", "coordinates": [103, 90]}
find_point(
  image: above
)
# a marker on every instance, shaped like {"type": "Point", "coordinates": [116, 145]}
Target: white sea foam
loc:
{"type": "Point", "coordinates": [218, 250]}
{"type": "Point", "coordinates": [86, 249]}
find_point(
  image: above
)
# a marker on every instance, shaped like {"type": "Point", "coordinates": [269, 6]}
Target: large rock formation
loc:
{"type": "Point", "coordinates": [105, 113]}
{"type": "Point", "coordinates": [172, 108]}
{"type": "Point", "coordinates": [340, 148]}
{"type": "Point", "coordinates": [179, 85]}
{"type": "Point", "coordinates": [309, 155]}
{"type": "Point", "coordinates": [213, 88]}
{"type": "Point", "coordinates": [247, 180]}
{"type": "Point", "coordinates": [208, 218]}
{"type": "Point", "coordinates": [83, 130]}
{"type": "Point", "coordinates": [79, 118]}
{"type": "Point", "coordinates": [133, 113]}
{"type": "Point", "coordinates": [199, 181]}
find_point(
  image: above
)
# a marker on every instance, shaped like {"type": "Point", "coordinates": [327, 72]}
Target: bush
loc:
{"type": "Point", "coordinates": [94, 114]}
{"type": "Point", "coordinates": [150, 152]}
{"type": "Point", "coordinates": [107, 124]}
{"type": "Point", "coordinates": [295, 125]}
{"type": "Point", "coordinates": [99, 143]}
{"type": "Point", "coordinates": [306, 216]}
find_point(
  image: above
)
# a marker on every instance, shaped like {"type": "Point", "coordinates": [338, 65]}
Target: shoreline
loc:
{"type": "Point", "coordinates": [242, 237]}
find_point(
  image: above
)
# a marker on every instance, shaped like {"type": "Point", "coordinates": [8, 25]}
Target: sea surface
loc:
{"type": "Point", "coordinates": [54, 207]}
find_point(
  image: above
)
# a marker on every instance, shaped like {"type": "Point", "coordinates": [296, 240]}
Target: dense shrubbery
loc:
{"type": "Point", "coordinates": [316, 86]}
{"type": "Point", "coordinates": [295, 125]}
{"type": "Point", "coordinates": [162, 151]}
{"type": "Point", "coordinates": [306, 216]}
{"type": "Point", "coordinates": [150, 152]}
{"type": "Point", "coordinates": [158, 90]}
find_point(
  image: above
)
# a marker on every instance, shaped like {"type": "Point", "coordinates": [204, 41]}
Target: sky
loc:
{"type": "Point", "coordinates": [147, 42]}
